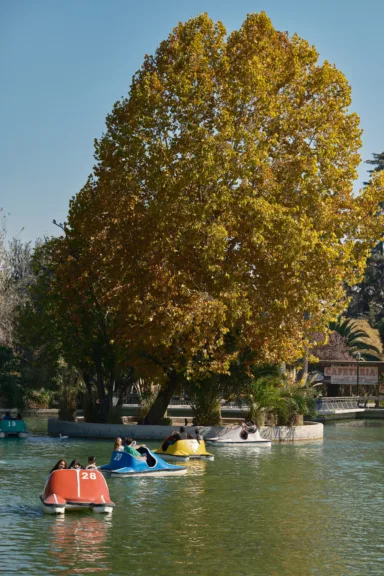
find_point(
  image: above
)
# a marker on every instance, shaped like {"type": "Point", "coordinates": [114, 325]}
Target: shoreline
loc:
{"type": "Point", "coordinates": [308, 432]}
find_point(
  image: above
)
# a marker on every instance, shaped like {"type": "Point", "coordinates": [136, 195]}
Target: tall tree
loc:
{"type": "Point", "coordinates": [367, 297]}
{"type": "Point", "coordinates": [222, 201]}
{"type": "Point", "coordinates": [58, 323]}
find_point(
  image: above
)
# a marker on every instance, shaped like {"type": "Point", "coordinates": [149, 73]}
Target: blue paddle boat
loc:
{"type": "Point", "coordinates": [123, 465]}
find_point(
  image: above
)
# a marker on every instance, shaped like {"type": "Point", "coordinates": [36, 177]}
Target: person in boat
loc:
{"type": "Point", "coordinates": [75, 465]}
{"type": "Point", "coordinates": [118, 445]}
{"type": "Point", "coordinates": [60, 465]}
{"type": "Point", "coordinates": [244, 432]}
{"type": "Point", "coordinates": [197, 434]}
{"type": "Point", "coordinates": [183, 434]}
{"type": "Point", "coordinates": [171, 439]}
{"type": "Point", "coordinates": [19, 416]}
{"type": "Point", "coordinates": [91, 463]}
{"type": "Point", "coordinates": [250, 427]}
{"type": "Point", "coordinates": [132, 451]}
{"type": "Point", "coordinates": [7, 416]}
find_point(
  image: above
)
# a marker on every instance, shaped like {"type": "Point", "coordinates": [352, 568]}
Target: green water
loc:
{"type": "Point", "coordinates": [312, 509]}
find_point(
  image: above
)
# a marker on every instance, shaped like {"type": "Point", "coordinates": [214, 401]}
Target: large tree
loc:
{"type": "Point", "coordinates": [71, 329]}
{"type": "Point", "coordinates": [222, 201]}
{"type": "Point", "coordinates": [367, 297]}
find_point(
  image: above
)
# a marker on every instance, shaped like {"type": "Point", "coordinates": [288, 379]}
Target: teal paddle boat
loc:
{"type": "Point", "coordinates": [13, 428]}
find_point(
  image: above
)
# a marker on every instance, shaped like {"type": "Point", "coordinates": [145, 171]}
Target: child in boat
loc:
{"type": "Point", "coordinates": [118, 445]}
{"type": "Point", "coordinates": [132, 451]}
{"type": "Point", "coordinates": [91, 463]}
{"type": "Point", "coordinates": [75, 465]}
{"type": "Point", "coordinates": [60, 465]}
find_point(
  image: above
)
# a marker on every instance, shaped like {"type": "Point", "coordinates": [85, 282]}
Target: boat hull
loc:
{"type": "Point", "coordinates": [185, 450]}
{"type": "Point", "coordinates": [124, 465]}
{"type": "Point", "coordinates": [233, 436]}
{"type": "Point", "coordinates": [13, 428]}
{"type": "Point", "coordinates": [68, 490]}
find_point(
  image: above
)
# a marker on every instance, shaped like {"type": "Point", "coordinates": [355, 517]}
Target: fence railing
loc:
{"type": "Point", "coordinates": [327, 404]}
{"type": "Point", "coordinates": [183, 401]}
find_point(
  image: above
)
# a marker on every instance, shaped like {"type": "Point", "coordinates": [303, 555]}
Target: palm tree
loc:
{"type": "Point", "coordinates": [356, 339]}
{"type": "Point", "coordinates": [261, 395]}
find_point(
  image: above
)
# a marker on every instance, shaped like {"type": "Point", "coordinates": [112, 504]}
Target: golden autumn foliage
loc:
{"type": "Point", "coordinates": [222, 199]}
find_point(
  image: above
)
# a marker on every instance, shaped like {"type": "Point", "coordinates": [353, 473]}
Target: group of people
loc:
{"type": "Point", "coordinates": [129, 445]}
{"type": "Point", "coordinates": [74, 465]}
{"type": "Point", "coordinates": [181, 434]}
{"type": "Point", "coordinates": [7, 416]}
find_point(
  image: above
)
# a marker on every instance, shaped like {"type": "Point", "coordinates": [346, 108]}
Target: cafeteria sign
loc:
{"type": "Point", "coordinates": [347, 374]}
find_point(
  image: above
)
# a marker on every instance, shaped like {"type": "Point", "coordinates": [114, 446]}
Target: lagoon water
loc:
{"type": "Point", "coordinates": [289, 510]}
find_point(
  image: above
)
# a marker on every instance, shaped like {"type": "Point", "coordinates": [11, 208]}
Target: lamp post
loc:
{"type": "Point", "coordinates": [358, 358]}
{"type": "Point", "coordinates": [307, 316]}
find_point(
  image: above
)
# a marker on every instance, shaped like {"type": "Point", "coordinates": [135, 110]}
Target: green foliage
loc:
{"type": "Point", "coordinates": [261, 395]}
{"type": "Point", "coordinates": [293, 403]}
{"type": "Point", "coordinates": [147, 401]}
{"type": "Point", "coordinates": [11, 383]}
{"type": "Point", "coordinates": [204, 397]}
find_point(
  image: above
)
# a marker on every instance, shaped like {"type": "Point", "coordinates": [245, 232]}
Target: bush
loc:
{"type": "Point", "coordinates": [205, 403]}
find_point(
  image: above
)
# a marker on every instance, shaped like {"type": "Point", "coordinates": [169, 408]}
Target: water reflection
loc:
{"type": "Point", "coordinates": [79, 543]}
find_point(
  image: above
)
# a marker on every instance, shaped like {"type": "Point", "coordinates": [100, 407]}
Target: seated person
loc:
{"type": "Point", "coordinates": [250, 427]}
{"type": "Point", "coordinates": [91, 463]}
{"type": "Point", "coordinates": [75, 465]}
{"type": "Point", "coordinates": [171, 439]}
{"type": "Point", "coordinates": [132, 451]}
{"type": "Point", "coordinates": [118, 445]}
{"type": "Point", "coordinates": [198, 437]}
{"type": "Point", "coordinates": [7, 416]}
{"type": "Point", "coordinates": [19, 416]}
{"type": "Point", "coordinates": [183, 434]}
{"type": "Point", "coordinates": [60, 465]}
{"type": "Point", "coordinates": [244, 432]}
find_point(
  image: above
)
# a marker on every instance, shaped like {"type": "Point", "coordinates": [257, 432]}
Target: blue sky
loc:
{"type": "Point", "coordinates": [63, 63]}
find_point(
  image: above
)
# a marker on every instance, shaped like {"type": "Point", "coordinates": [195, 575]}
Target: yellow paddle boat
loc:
{"type": "Point", "coordinates": [185, 450]}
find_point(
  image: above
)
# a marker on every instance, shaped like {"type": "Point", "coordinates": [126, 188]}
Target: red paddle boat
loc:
{"type": "Point", "coordinates": [76, 490]}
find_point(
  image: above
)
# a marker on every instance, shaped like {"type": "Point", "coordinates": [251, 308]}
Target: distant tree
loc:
{"type": "Point", "coordinates": [367, 297]}
{"type": "Point", "coordinates": [72, 334]}
{"type": "Point", "coordinates": [377, 162]}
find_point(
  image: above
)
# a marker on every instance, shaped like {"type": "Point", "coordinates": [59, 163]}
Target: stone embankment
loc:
{"type": "Point", "coordinates": [310, 431]}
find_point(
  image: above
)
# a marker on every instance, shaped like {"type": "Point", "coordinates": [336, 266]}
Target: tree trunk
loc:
{"type": "Point", "coordinates": [159, 407]}
{"type": "Point", "coordinates": [103, 403]}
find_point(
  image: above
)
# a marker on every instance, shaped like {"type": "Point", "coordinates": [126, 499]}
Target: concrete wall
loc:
{"type": "Point", "coordinates": [310, 431]}
{"type": "Point", "coordinates": [372, 413]}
